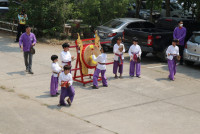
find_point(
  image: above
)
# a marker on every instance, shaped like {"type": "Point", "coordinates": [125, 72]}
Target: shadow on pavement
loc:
{"type": "Point", "coordinates": [6, 42]}
{"type": "Point", "coordinates": [44, 96]}
{"type": "Point", "coordinates": [191, 71]}
{"type": "Point", "coordinates": [163, 79]}
{"type": "Point", "coordinates": [20, 73]}
{"type": "Point", "coordinates": [55, 107]}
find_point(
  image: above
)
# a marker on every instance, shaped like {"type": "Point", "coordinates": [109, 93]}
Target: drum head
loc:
{"type": "Point", "coordinates": [86, 55]}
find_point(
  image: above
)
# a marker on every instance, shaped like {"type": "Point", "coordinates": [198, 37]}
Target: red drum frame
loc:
{"type": "Point", "coordinates": [78, 67]}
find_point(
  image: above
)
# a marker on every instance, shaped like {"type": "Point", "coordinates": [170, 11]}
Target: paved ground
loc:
{"type": "Point", "coordinates": [150, 105]}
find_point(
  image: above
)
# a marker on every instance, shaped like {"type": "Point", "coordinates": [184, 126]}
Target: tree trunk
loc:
{"type": "Point", "coordinates": [138, 6]}
{"type": "Point", "coordinates": [167, 8]}
{"type": "Point", "coordinates": [151, 11]}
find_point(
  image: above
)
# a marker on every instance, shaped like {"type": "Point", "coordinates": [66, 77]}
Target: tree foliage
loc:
{"type": "Point", "coordinates": [96, 12]}
{"type": "Point", "coordinates": [49, 16]}
{"type": "Point", "coordinates": [188, 4]}
{"type": "Point", "coordinates": [153, 5]}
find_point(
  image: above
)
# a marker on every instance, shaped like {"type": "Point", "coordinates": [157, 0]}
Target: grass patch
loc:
{"type": "Point", "coordinates": [23, 96]}
{"type": "Point", "coordinates": [6, 89]}
{"type": "Point", "coordinates": [43, 104]}
{"type": "Point", "coordinates": [3, 87]}
{"type": "Point", "coordinates": [10, 90]}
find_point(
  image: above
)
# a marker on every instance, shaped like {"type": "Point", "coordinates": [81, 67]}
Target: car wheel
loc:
{"type": "Point", "coordinates": [189, 63]}
{"type": "Point", "coordinates": [106, 48]}
{"type": "Point", "coordinates": [144, 54]}
{"type": "Point", "coordinates": [162, 55]}
{"type": "Point", "coordinates": [175, 16]}
{"type": "Point", "coordinates": [126, 48]}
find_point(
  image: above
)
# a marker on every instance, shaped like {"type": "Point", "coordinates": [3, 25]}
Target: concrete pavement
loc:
{"type": "Point", "coordinates": [150, 105]}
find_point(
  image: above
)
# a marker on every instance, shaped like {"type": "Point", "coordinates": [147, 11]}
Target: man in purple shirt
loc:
{"type": "Point", "coordinates": [180, 33]}
{"type": "Point", "coordinates": [26, 41]}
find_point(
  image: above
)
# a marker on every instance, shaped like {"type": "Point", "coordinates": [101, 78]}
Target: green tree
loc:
{"type": "Point", "coordinates": [153, 5]}
{"type": "Point", "coordinates": [49, 16]}
{"type": "Point", "coordinates": [96, 12]}
{"type": "Point", "coordinates": [188, 4]}
{"type": "Point", "coordinates": [167, 8]}
{"type": "Point", "coordinates": [138, 6]}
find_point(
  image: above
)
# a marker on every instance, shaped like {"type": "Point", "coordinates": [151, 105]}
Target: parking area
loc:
{"type": "Point", "coordinates": [149, 105]}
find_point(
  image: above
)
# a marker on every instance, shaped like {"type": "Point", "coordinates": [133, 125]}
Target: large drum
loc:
{"type": "Point", "coordinates": [86, 55]}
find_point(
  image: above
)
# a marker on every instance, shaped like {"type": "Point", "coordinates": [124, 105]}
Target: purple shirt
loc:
{"type": "Point", "coordinates": [180, 33]}
{"type": "Point", "coordinates": [27, 40]}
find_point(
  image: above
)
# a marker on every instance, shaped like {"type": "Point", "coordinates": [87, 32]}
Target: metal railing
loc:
{"type": "Point", "coordinates": [8, 26]}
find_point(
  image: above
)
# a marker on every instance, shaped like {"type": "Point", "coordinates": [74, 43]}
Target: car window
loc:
{"type": "Point", "coordinates": [3, 4]}
{"type": "Point", "coordinates": [134, 25]}
{"type": "Point", "coordinates": [195, 39]}
{"type": "Point", "coordinates": [143, 5]}
{"type": "Point", "coordinates": [163, 6]}
{"type": "Point", "coordinates": [176, 6]}
{"type": "Point", "coordinates": [113, 24]}
{"type": "Point", "coordinates": [148, 25]}
{"type": "Point", "coordinates": [15, 3]}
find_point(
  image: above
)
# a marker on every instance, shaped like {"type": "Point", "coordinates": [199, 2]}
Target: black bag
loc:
{"type": "Point", "coordinates": [138, 59]}
{"type": "Point", "coordinates": [32, 50]}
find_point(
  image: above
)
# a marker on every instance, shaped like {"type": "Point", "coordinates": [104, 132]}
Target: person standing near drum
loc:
{"type": "Point", "coordinates": [66, 57]}
{"type": "Point", "coordinates": [118, 50]}
{"type": "Point", "coordinates": [22, 18]}
{"type": "Point", "coordinates": [26, 43]}
{"type": "Point", "coordinates": [101, 68]}
{"type": "Point", "coordinates": [135, 56]}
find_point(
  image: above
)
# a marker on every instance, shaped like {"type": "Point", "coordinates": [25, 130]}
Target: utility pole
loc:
{"type": "Point", "coordinates": [167, 4]}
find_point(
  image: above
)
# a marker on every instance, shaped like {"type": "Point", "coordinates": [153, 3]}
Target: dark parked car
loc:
{"type": "Point", "coordinates": [156, 40]}
{"type": "Point", "coordinates": [144, 12]}
{"type": "Point", "coordinates": [113, 29]}
{"type": "Point", "coordinates": [4, 6]}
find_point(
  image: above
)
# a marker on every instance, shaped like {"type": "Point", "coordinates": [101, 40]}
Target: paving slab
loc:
{"type": "Point", "coordinates": [151, 118]}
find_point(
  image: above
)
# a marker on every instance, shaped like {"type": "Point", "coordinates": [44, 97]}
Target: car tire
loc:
{"type": "Point", "coordinates": [189, 63]}
{"type": "Point", "coordinates": [126, 48]}
{"type": "Point", "coordinates": [106, 48]}
{"type": "Point", "coordinates": [162, 55]}
{"type": "Point", "coordinates": [175, 16]}
{"type": "Point", "coordinates": [144, 54]}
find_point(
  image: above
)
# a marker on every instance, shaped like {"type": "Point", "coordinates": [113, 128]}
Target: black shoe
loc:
{"type": "Point", "coordinates": [30, 72]}
{"type": "Point", "coordinates": [138, 76]}
{"type": "Point", "coordinates": [132, 75]}
{"type": "Point", "coordinates": [94, 87]}
{"type": "Point", "coordinates": [54, 95]}
{"type": "Point", "coordinates": [69, 102]}
{"type": "Point", "coordinates": [60, 105]}
{"type": "Point", "coordinates": [116, 77]}
{"type": "Point", "coordinates": [105, 85]}
{"type": "Point", "coordinates": [57, 93]}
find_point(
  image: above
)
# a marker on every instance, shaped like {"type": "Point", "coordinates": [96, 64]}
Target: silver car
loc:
{"type": "Point", "coordinates": [192, 49]}
{"type": "Point", "coordinates": [113, 29]}
{"type": "Point", "coordinates": [176, 11]}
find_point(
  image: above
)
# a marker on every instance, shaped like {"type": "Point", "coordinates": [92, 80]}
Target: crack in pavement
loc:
{"type": "Point", "coordinates": [183, 107]}
{"type": "Point", "coordinates": [135, 105]}
{"type": "Point", "coordinates": [22, 96]}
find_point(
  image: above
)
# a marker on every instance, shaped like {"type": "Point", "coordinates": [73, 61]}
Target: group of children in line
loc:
{"type": "Point", "coordinates": [62, 74]}
{"type": "Point", "coordinates": [135, 58]}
